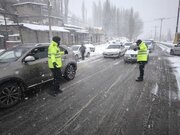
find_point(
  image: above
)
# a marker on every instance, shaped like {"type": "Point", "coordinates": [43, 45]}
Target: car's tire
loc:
{"type": "Point", "coordinates": [10, 94]}
{"type": "Point", "coordinates": [171, 52]}
{"type": "Point", "coordinates": [70, 72]}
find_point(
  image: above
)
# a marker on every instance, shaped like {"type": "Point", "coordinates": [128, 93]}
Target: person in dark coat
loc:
{"type": "Point", "coordinates": [83, 50]}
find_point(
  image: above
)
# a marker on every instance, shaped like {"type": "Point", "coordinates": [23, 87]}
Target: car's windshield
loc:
{"type": "Point", "coordinates": [75, 48]}
{"type": "Point", "coordinates": [113, 47]}
{"type": "Point", "coordinates": [12, 55]}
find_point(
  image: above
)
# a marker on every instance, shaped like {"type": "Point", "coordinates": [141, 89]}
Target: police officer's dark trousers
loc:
{"type": "Point", "coordinates": [141, 69]}
{"type": "Point", "coordinates": [82, 53]}
{"type": "Point", "coordinates": [57, 75]}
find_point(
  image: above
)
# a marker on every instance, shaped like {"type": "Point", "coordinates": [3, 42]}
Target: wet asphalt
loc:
{"type": "Point", "coordinates": [103, 99]}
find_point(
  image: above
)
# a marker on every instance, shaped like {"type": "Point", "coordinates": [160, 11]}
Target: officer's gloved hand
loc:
{"type": "Point", "coordinates": [135, 49]}
{"type": "Point", "coordinates": [66, 52]}
{"type": "Point", "coordinates": [55, 64]}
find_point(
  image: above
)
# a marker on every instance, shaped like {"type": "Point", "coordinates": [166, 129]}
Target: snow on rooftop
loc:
{"type": "Point", "coordinates": [8, 22]}
{"type": "Point", "coordinates": [14, 35]}
{"type": "Point", "coordinates": [44, 27]}
{"type": "Point", "coordinates": [73, 26]}
{"type": "Point", "coordinates": [32, 3]}
{"type": "Point", "coordinates": [82, 31]}
{"type": "Point", "coordinates": [98, 28]}
{"type": "Point", "coordinates": [12, 41]}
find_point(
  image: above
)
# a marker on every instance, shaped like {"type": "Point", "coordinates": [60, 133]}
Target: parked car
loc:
{"type": "Point", "coordinates": [91, 47]}
{"type": "Point", "coordinates": [150, 45]}
{"type": "Point", "coordinates": [175, 50]}
{"type": "Point", "coordinates": [130, 55]}
{"type": "Point", "coordinates": [114, 50]}
{"type": "Point", "coordinates": [77, 52]}
{"type": "Point", "coordinates": [24, 67]}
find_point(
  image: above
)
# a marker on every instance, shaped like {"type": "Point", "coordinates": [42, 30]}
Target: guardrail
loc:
{"type": "Point", "coordinates": [170, 45]}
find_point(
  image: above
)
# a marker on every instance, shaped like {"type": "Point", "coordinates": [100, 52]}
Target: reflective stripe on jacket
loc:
{"type": "Point", "coordinates": [54, 55]}
{"type": "Point", "coordinates": [142, 52]}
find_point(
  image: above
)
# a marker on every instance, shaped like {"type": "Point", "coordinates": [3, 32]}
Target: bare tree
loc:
{"type": "Point", "coordinates": [83, 11]}
{"type": "Point", "coordinates": [124, 22]}
{"type": "Point", "coordinates": [131, 25]}
{"type": "Point", "coordinates": [66, 8]}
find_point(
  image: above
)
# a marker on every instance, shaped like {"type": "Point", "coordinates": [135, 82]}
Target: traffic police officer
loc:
{"type": "Point", "coordinates": [55, 63]}
{"type": "Point", "coordinates": [141, 58]}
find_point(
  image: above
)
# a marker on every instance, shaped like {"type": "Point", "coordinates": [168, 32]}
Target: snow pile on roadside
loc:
{"type": "Point", "coordinates": [164, 48]}
{"type": "Point", "coordinates": [175, 62]}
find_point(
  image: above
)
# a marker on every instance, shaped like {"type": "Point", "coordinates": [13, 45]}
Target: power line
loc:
{"type": "Point", "coordinates": [161, 23]}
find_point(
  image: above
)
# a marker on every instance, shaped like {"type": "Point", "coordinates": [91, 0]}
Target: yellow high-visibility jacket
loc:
{"type": "Point", "coordinates": [142, 52]}
{"type": "Point", "coordinates": [54, 55]}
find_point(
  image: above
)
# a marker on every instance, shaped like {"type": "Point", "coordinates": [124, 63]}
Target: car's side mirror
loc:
{"type": "Point", "coordinates": [29, 59]}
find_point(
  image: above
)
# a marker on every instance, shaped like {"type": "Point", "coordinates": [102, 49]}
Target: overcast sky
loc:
{"type": "Point", "coordinates": [149, 11]}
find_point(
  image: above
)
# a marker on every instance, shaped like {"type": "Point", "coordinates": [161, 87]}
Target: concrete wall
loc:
{"type": "Point", "coordinates": [29, 36]}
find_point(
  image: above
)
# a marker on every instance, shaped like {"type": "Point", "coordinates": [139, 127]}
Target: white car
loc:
{"type": "Point", "coordinates": [131, 56]}
{"type": "Point", "coordinates": [91, 46]}
{"type": "Point", "coordinates": [114, 50]}
{"type": "Point", "coordinates": [77, 52]}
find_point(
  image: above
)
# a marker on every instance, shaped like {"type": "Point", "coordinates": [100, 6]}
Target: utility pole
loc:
{"type": "Point", "coordinates": [161, 23]}
{"type": "Point", "coordinates": [177, 35]}
{"type": "Point", "coordinates": [155, 32]}
{"type": "Point", "coordinates": [49, 18]}
{"type": "Point", "coordinates": [178, 18]}
{"type": "Point", "coordinates": [161, 19]}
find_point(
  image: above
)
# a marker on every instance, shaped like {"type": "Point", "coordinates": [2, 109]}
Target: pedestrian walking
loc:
{"type": "Point", "coordinates": [141, 58]}
{"type": "Point", "coordinates": [55, 63]}
{"type": "Point", "coordinates": [83, 50]}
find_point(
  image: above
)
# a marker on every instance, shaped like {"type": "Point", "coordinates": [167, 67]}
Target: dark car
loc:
{"type": "Point", "coordinates": [24, 67]}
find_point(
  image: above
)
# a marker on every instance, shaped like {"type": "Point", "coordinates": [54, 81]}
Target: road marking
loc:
{"type": "Point", "coordinates": [84, 79]}
{"type": "Point", "coordinates": [75, 116]}
{"type": "Point", "coordinates": [119, 78]}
